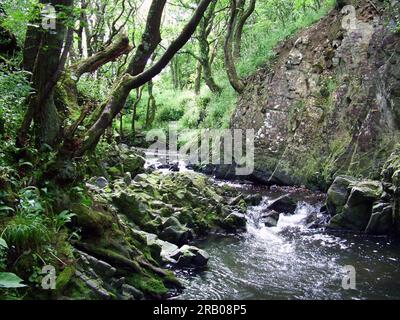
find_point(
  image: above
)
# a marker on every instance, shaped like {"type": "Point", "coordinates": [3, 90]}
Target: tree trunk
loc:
{"type": "Point", "coordinates": [111, 53]}
{"type": "Point", "coordinates": [234, 79]}
{"type": "Point", "coordinates": [134, 110]}
{"type": "Point", "coordinates": [197, 83]}
{"type": "Point", "coordinates": [151, 106]}
{"type": "Point", "coordinates": [244, 15]}
{"type": "Point", "coordinates": [204, 48]}
{"type": "Point", "coordinates": [46, 63]}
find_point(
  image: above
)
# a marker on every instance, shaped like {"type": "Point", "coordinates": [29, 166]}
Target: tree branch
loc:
{"type": "Point", "coordinates": [111, 53]}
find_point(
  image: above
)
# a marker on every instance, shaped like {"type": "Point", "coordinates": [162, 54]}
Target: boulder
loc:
{"type": "Point", "coordinates": [381, 221]}
{"type": "Point", "coordinates": [92, 223]}
{"type": "Point", "coordinates": [338, 194]}
{"type": "Point", "coordinates": [190, 257]}
{"type": "Point", "coordinates": [100, 182]}
{"type": "Point", "coordinates": [234, 222]}
{"type": "Point", "coordinates": [128, 178]}
{"type": "Point", "coordinates": [253, 199]}
{"type": "Point", "coordinates": [130, 292]}
{"type": "Point", "coordinates": [131, 206]}
{"type": "Point", "coordinates": [283, 204]}
{"type": "Point", "coordinates": [133, 163]}
{"type": "Point", "coordinates": [174, 232]}
{"type": "Point", "coordinates": [270, 219]}
{"type": "Point", "coordinates": [358, 208]}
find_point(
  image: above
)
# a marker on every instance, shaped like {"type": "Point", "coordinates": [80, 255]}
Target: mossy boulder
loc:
{"type": "Point", "coordinates": [151, 285]}
{"type": "Point", "coordinates": [190, 257]}
{"type": "Point", "coordinates": [174, 232]}
{"type": "Point", "coordinates": [357, 211]}
{"type": "Point", "coordinates": [338, 193]}
{"type": "Point", "coordinates": [92, 222]}
{"type": "Point", "coordinates": [234, 222]}
{"type": "Point", "coordinates": [131, 205]}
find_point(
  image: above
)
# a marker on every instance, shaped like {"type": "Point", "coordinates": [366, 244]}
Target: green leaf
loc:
{"type": "Point", "coordinates": [3, 243]}
{"type": "Point", "coordinates": [10, 280]}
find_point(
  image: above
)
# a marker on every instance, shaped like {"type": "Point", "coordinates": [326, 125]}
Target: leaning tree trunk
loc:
{"type": "Point", "coordinates": [204, 48]}
{"type": "Point", "coordinates": [235, 26]}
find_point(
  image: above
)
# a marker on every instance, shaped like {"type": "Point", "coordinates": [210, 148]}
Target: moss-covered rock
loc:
{"type": "Point", "coordinates": [92, 222]}
{"type": "Point", "coordinates": [172, 204]}
{"type": "Point", "coordinates": [338, 193]}
{"type": "Point", "coordinates": [357, 211]}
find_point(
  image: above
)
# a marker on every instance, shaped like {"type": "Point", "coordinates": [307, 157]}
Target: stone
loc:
{"type": "Point", "coordinates": [128, 178]}
{"type": "Point", "coordinates": [190, 257]}
{"type": "Point", "coordinates": [338, 193]}
{"type": "Point", "coordinates": [100, 182]}
{"type": "Point", "coordinates": [133, 163]}
{"type": "Point", "coordinates": [132, 291]}
{"type": "Point", "coordinates": [253, 199]}
{"type": "Point", "coordinates": [131, 206]}
{"type": "Point", "coordinates": [358, 208]}
{"type": "Point", "coordinates": [270, 219]}
{"type": "Point", "coordinates": [234, 221]}
{"type": "Point", "coordinates": [174, 232]}
{"type": "Point", "coordinates": [283, 204]}
{"type": "Point", "coordinates": [114, 172]}
{"type": "Point", "coordinates": [381, 221]}
{"type": "Point", "coordinates": [92, 222]}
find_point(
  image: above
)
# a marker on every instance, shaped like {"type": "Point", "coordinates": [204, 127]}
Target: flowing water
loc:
{"type": "Point", "coordinates": [291, 261]}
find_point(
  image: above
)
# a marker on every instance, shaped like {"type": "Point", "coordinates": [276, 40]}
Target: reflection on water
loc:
{"type": "Point", "coordinates": [290, 261]}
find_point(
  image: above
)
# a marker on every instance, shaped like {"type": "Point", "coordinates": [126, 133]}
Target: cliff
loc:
{"type": "Point", "coordinates": [329, 103]}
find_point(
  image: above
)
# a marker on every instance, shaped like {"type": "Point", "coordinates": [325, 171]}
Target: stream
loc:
{"type": "Point", "coordinates": [291, 261]}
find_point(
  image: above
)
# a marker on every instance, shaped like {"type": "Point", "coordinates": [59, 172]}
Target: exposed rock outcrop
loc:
{"type": "Point", "coordinates": [329, 103]}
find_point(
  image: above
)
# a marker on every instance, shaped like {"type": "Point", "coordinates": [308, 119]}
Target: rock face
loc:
{"type": "Point", "coordinates": [329, 103]}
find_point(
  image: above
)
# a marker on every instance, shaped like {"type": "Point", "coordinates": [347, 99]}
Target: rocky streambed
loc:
{"type": "Point", "coordinates": [159, 232]}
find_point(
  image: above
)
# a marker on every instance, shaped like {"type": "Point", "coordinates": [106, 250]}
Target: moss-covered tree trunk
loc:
{"type": "Point", "coordinates": [43, 57]}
